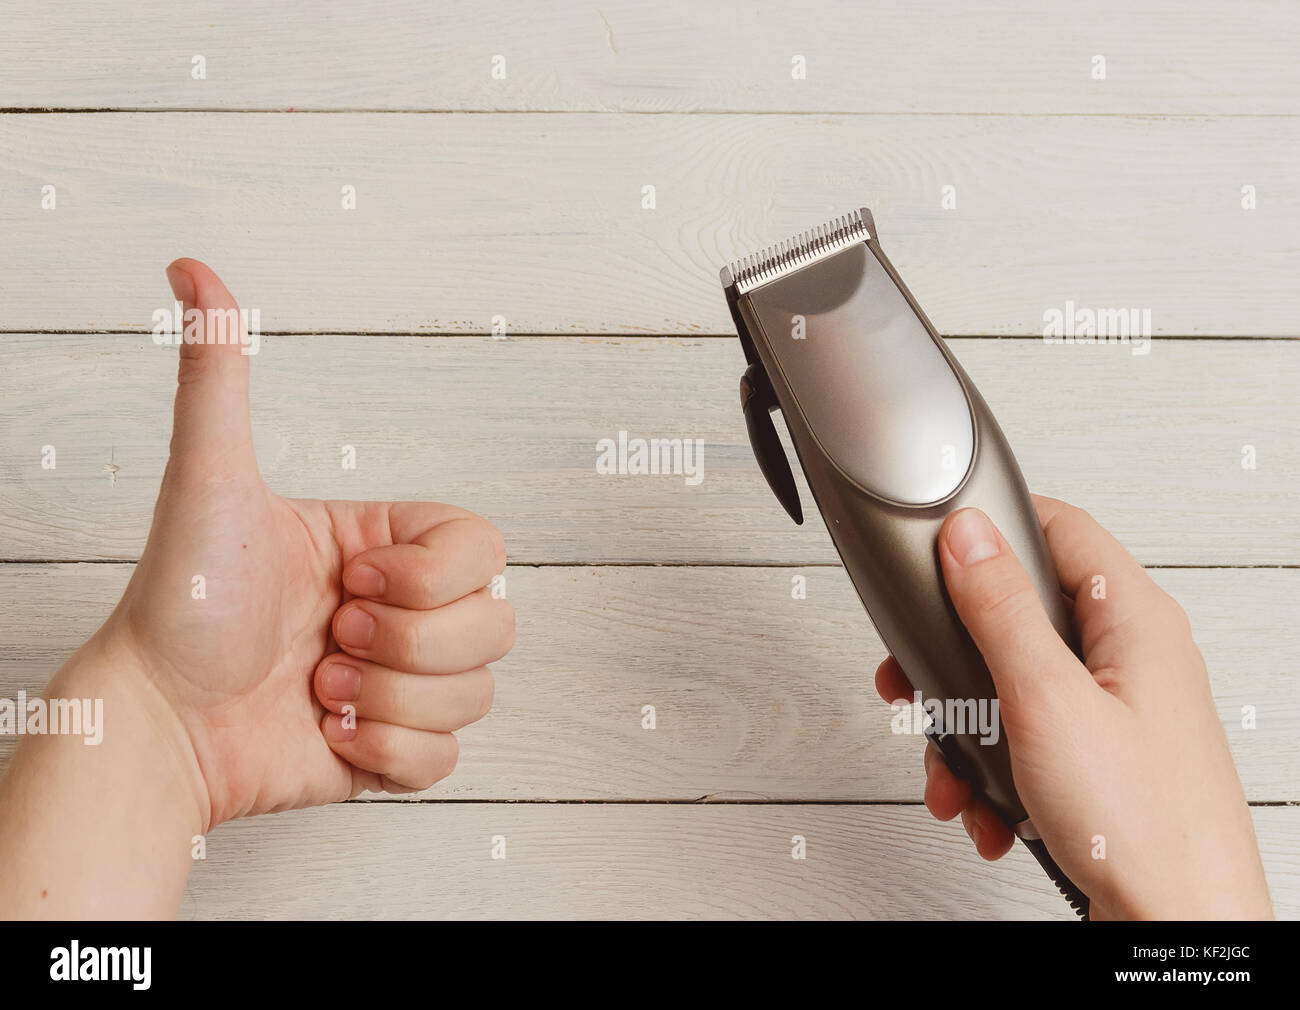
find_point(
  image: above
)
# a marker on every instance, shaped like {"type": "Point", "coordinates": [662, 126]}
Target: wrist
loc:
{"type": "Point", "coordinates": [110, 668]}
{"type": "Point", "coordinates": [98, 817]}
{"type": "Point", "coordinates": [1231, 888]}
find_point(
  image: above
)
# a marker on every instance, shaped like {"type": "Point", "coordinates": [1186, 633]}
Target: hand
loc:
{"type": "Point", "coordinates": [1123, 750]}
{"type": "Point", "coordinates": [416, 624]}
{"type": "Point", "coordinates": [267, 654]}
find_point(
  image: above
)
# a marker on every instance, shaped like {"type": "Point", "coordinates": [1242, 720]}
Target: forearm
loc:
{"type": "Point", "coordinates": [100, 830]}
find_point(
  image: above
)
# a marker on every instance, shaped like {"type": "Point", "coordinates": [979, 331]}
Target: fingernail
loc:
{"type": "Point", "coordinates": [355, 628]}
{"type": "Point", "coordinates": [971, 537]}
{"type": "Point", "coordinates": [976, 831]}
{"type": "Point", "coordinates": [336, 731]}
{"type": "Point", "coordinates": [365, 580]}
{"type": "Point", "coordinates": [340, 682]}
{"type": "Point", "coordinates": [182, 284]}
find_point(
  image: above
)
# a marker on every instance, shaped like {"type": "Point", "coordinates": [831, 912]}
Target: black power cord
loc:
{"type": "Point", "coordinates": [1077, 899]}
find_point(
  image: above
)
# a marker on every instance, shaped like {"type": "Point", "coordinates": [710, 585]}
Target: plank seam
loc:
{"type": "Point", "coordinates": [132, 110]}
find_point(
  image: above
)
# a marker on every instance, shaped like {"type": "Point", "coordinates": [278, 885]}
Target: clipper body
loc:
{"type": "Point", "coordinates": [892, 437]}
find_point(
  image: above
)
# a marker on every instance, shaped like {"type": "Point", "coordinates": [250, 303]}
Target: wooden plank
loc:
{"type": "Point", "coordinates": [667, 55]}
{"type": "Point", "coordinates": [1152, 445]}
{"type": "Point", "coordinates": [794, 719]}
{"type": "Point", "coordinates": [539, 219]}
{"type": "Point", "coordinates": [434, 861]}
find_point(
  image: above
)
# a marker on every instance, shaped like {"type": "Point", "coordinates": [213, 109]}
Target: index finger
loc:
{"type": "Point", "coordinates": [1112, 592]}
{"type": "Point", "coordinates": [435, 566]}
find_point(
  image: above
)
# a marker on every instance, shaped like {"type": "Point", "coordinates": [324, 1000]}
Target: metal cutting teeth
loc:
{"type": "Point", "coordinates": [808, 247]}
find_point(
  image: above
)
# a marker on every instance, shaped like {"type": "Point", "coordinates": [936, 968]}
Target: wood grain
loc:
{"type": "Point", "coordinates": [433, 861]}
{"type": "Point", "coordinates": [756, 695]}
{"type": "Point", "coordinates": [1151, 445]}
{"type": "Point", "coordinates": [539, 219]}
{"type": "Point", "coordinates": [666, 55]}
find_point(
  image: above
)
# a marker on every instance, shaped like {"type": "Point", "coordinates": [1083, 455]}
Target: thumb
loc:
{"type": "Point", "coordinates": [997, 602]}
{"type": "Point", "coordinates": [210, 427]}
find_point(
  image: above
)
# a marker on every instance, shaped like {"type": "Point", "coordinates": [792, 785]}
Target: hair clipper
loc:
{"type": "Point", "coordinates": [892, 436]}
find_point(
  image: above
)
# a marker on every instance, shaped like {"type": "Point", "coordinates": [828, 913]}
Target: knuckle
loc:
{"type": "Point", "coordinates": [1174, 614]}
{"type": "Point", "coordinates": [400, 697]}
{"type": "Point", "coordinates": [427, 582]}
{"type": "Point", "coordinates": [458, 514]}
{"type": "Point", "coordinates": [380, 746]}
{"type": "Point", "coordinates": [429, 775]}
{"type": "Point", "coordinates": [486, 695]}
{"type": "Point", "coordinates": [494, 546]}
{"type": "Point", "coordinates": [508, 629]}
{"type": "Point", "coordinates": [482, 543]}
{"type": "Point", "coordinates": [407, 640]}
{"type": "Point", "coordinates": [1074, 519]}
{"type": "Point", "coordinates": [1078, 515]}
{"type": "Point", "coordinates": [445, 762]}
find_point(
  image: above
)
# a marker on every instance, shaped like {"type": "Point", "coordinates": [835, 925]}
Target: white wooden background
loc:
{"type": "Point", "coordinates": [522, 197]}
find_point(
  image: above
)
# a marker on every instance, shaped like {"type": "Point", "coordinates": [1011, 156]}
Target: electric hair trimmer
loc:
{"type": "Point", "coordinates": [892, 436]}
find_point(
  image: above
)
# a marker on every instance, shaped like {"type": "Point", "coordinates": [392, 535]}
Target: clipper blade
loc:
{"type": "Point", "coordinates": [805, 248]}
